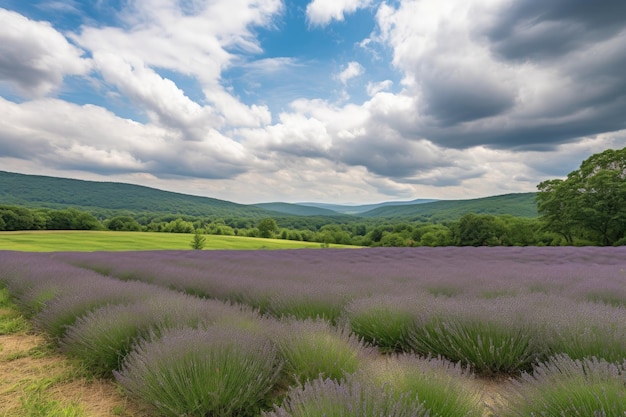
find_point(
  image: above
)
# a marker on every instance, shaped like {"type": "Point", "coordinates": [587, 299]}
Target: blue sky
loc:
{"type": "Point", "coordinates": [338, 101]}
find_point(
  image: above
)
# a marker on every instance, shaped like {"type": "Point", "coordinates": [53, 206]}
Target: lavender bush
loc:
{"type": "Point", "coordinates": [346, 398]}
{"type": "Point", "coordinates": [215, 371]}
{"type": "Point", "coordinates": [567, 387]}
{"type": "Point", "coordinates": [384, 321]}
{"type": "Point", "coordinates": [313, 348]}
{"type": "Point", "coordinates": [103, 337]}
{"type": "Point", "coordinates": [82, 296]}
{"type": "Point", "coordinates": [443, 388]}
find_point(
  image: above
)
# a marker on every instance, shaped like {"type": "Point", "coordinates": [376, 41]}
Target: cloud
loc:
{"type": "Point", "coordinates": [484, 73]}
{"type": "Point", "coordinates": [34, 57]}
{"type": "Point", "coordinates": [352, 70]}
{"type": "Point", "coordinates": [462, 98]}
{"type": "Point", "coordinates": [375, 88]}
{"type": "Point", "coordinates": [322, 12]}
{"type": "Point", "coordinates": [196, 40]}
{"type": "Point", "coordinates": [89, 138]}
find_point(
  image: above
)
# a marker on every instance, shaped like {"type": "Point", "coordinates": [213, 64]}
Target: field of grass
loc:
{"type": "Point", "coordinates": [87, 241]}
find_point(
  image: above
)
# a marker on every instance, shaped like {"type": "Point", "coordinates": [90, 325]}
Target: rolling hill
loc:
{"type": "Point", "coordinates": [358, 209]}
{"type": "Point", "coordinates": [36, 191]}
{"type": "Point", "coordinates": [520, 205]}
{"type": "Point", "coordinates": [58, 193]}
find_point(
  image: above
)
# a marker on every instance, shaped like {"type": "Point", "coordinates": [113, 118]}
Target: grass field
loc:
{"type": "Point", "coordinates": [87, 241]}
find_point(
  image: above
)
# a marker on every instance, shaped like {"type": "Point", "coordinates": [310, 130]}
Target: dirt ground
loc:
{"type": "Point", "coordinates": [35, 380]}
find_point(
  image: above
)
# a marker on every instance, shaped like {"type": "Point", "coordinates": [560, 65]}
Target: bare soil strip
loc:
{"type": "Point", "coordinates": [31, 372]}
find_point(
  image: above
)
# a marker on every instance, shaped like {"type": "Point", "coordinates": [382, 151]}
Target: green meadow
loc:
{"type": "Point", "coordinates": [87, 241]}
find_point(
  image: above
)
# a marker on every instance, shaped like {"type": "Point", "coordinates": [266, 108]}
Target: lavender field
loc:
{"type": "Point", "coordinates": [355, 332]}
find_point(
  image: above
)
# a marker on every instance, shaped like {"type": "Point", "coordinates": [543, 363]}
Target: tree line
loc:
{"type": "Point", "coordinates": [469, 230]}
{"type": "Point", "coordinates": [586, 208]}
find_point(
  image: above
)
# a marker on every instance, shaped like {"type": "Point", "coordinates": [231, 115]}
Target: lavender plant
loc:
{"type": "Point", "coordinates": [492, 336]}
{"type": "Point", "coordinates": [383, 321]}
{"type": "Point", "coordinates": [313, 348]}
{"type": "Point", "coordinates": [215, 371]}
{"type": "Point", "coordinates": [102, 338]}
{"type": "Point", "coordinates": [582, 330]}
{"type": "Point", "coordinates": [567, 387]}
{"type": "Point", "coordinates": [87, 295]}
{"type": "Point", "coordinates": [443, 388]}
{"type": "Point", "coordinates": [345, 398]}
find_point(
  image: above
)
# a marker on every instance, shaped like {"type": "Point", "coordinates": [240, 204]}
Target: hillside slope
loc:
{"type": "Point", "coordinates": [520, 205]}
{"type": "Point", "coordinates": [296, 209]}
{"type": "Point", "coordinates": [58, 193]}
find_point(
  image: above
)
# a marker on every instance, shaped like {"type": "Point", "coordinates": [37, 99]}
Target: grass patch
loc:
{"type": "Point", "coordinates": [87, 241]}
{"type": "Point", "coordinates": [35, 381]}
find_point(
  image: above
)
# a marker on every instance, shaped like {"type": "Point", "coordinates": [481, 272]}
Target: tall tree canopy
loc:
{"type": "Point", "coordinates": [591, 202]}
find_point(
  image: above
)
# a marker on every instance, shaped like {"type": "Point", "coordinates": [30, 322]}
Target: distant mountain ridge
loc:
{"type": "Point", "coordinates": [53, 192]}
{"type": "Point", "coordinates": [362, 208]}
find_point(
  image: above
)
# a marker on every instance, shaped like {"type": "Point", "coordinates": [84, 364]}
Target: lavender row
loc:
{"type": "Point", "coordinates": [261, 277]}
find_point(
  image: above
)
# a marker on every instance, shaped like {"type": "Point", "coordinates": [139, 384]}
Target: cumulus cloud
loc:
{"type": "Point", "coordinates": [91, 138]}
{"type": "Point", "coordinates": [322, 12]}
{"type": "Point", "coordinates": [195, 40]}
{"type": "Point", "coordinates": [35, 57]}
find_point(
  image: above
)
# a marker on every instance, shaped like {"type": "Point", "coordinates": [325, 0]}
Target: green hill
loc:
{"type": "Point", "coordinates": [362, 208]}
{"type": "Point", "coordinates": [519, 205]}
{"type": "Point", "coordinates": [58, 193]}
{"type": "Point", "coordinates": [296, 209]}
{"type": "Point", "coordinates": [36, 191]}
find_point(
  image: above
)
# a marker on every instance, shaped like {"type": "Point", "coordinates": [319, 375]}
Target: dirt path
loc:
{"type": "Point", "coordinates": [35, 380]}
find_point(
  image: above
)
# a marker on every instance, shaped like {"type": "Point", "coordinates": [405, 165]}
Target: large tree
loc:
{"type": "Point", "coordinates": [591, 202]}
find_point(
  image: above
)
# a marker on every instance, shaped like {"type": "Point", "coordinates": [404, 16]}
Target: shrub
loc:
{"type": "Point", "coordinates": [566, 387]}
{"type": "Point", "coordinates": [103, 337]}
{"type": "Point", "coordinates": [440, 386]}
{"type": "Point", "coordinates": [314, 348]}
{"type": "Point", "coordinates": [491, 335]}
{"type": "Point", "coordinates": [582, 330]}
{"type": "Point", "coordinates": [345, 398]}
{"type": "Point", "coordinates": [216, 371]}
{"type": "Point", "coordinates": [85, 296]}
{"type": "Point", "coordinates": [312, 304]}
{"type": "Point", "coordinates": [384, 322]}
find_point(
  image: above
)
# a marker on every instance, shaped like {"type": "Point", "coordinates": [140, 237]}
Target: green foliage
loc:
{"type": "Point", "coordinates": [267, 227]}
{"type": "Point", "coordinates": [314, 348]}
{"type": "Point", "coordinates": [346, 398]}
{"type": "Point", "coordinates": [123, 224]}
{"type": "Point", "coordinates": [381, 322]}
{"type": "Point", "coordinates": [519, 205]}
{"type": "Point", "coordinates": [218, 372]}
{"type": "Point", "coordinates": [590, 203]}
{"type": "Point", "coordinates": [199, 240]}
{"type": "Point", "coordinates": [440, 386]}
{"type": "Point", "coordinates": [567, 387]}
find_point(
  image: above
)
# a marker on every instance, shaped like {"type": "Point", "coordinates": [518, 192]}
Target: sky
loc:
{"type": "Point", "coordinates": [334, 101]}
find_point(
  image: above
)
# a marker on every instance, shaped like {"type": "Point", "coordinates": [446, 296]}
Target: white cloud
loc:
{"type": "Point", "coordinates": [34, 57]}
{"type": "Point", "coordinates": [90, 138]}
{"type": "Point", "coordinates": [165, 35]}
{"type": "Point", "coordinates": [375, 88]}
{"type": "Point", "coordinates": [322, 12]}
{"type": "Point", "coordinates": [352, 70]}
